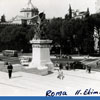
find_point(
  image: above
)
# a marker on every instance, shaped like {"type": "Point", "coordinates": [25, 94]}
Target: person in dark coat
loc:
{"type": "Point", "coordinates": [60, 66]}
{"type": "Point", "coordinates": [10, 68]}
{"type": "Point", "coordinates": [89, 69]}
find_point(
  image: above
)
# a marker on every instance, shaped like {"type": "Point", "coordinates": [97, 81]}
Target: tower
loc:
{"type": "Point", "coordinates": [70, 11]}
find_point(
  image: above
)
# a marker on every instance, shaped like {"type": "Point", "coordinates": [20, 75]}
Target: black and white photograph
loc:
{"type": "Point", "coordinates": [50, 48]}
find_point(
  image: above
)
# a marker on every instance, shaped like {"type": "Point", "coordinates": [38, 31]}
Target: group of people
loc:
{"type": "Point", "coordinates": [68, 67]}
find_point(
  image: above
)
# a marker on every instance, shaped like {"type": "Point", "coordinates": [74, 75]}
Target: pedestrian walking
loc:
{"type": "Point", "coordinates": [10, 68]}
{"type": "Point", "coordinates": [88, 69]}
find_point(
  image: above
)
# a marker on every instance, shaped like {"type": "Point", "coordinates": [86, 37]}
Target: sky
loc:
{"type": "Point", "coordinates": [52, 8]}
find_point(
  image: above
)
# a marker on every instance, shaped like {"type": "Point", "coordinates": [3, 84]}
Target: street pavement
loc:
{"type": "Point", "coordinates": [27, 84]}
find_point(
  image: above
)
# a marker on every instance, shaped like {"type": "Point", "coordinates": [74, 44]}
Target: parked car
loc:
{"type": "Point", "coordinates": [78, 65]}
{"type": "Point", "coordinates": [11, 53]}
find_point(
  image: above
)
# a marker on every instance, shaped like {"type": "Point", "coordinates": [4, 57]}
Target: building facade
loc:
{"type": "Point", "coordinates": [27, 13]}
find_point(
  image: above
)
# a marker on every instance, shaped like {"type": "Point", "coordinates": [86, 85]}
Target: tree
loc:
{"type": "Point", "coordinates": [53, 32]}
{"type": "Point", "coordinates": [66, 16]}
{"type": "Point", "coordinates": [14, 37]}
{"type": "Point", "coordinates": [3, 19]}
{"type": "Point", "coordinates": [87, 13]}
{"type": "Point", "coordinates": [70, 12]}
{"type": "Point", "coordinates": [69, 35]}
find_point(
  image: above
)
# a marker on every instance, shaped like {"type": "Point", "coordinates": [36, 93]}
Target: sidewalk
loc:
{"type": "Point", "coordinates": [26, 84]}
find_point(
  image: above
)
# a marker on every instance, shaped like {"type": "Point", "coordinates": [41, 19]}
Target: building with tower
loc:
{"type": "Point", "coordinates": [27, 13]}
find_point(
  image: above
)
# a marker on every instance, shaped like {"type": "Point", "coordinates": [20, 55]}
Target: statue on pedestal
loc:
{"type": "Point", "coordinates": [39, 26]}
{"type": "Point", "coordinates": [40, 47]}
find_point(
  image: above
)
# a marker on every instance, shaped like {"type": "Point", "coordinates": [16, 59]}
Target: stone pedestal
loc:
{"type": "Point", "coordinates": [41, 56]}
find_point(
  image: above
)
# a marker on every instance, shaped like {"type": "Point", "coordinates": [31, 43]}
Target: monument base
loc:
{"type": "Point", "coordinates": [41, 56]}
{"type": "Point", "coordinates": [49, 66]}
{"type": "Point", "coordinates": [41, 71]}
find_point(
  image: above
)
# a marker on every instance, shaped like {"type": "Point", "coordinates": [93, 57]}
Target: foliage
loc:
{"type": "Point", "coordinates": [70, 12]}
{"type": "Point", "coordinates": [3, 19]}
{"type": "Point", "coordinates": [14, 37]}
{"type": "Point", "coordinates": [69, 36]}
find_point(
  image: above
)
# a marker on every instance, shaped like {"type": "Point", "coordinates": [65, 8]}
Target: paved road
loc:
{"type": "Point", "coordinates": [26, 84]}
